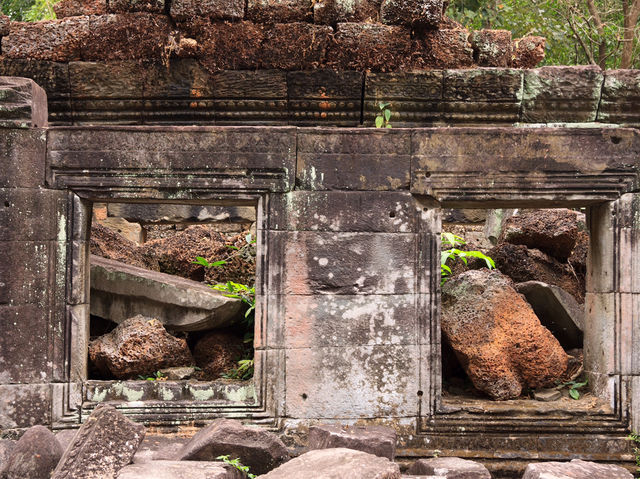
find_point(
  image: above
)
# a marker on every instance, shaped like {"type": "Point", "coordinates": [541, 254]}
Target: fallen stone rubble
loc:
{"type": "Point", "coordinates": [110, 446]}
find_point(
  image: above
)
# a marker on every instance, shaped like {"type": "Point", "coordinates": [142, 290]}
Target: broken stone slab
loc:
{"type": "Point", "coordinates": [557, 310]}
{"type": "Point", "coordinates": [34, 456]}
{"type": "Point", "coordinates": [553, 231]}
{"type": "Point", "coordinates": [259, 449]}
{"type": "Point", "coordinates": [494, 223]}
{"type": "Point", "coordinates": [377, 440]}
{"type": "Point", "coordinates": [180, 470]}
{"type": "Point", "coordinates": [497, 337]}
{"type": "Point", "coordinates": [161, 213]}
{"type": "Point", "coordinates": [104, 444]}
{"type": "Point", "coordinates": [338, 462]}
{"type": "Point", "coordinates": [120, 291]}
{"type": "Point", "coordinates": [23, 104]}
{"type": "Point", "coordinates": [575, 469]}
{"type": "Point", "coordinates": [449, 467]}
{"type": "Point", "coordinates": [177, 374]}
{"type": "Point", "coordinates": [132, 231]}
{"type": "Point", "coordinates": [547, 395]}
{"type": "Point", "coordinates": [138, 346]}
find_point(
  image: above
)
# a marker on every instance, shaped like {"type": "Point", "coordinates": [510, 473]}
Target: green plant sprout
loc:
{"type": "Point", "coordinates": [157, 376]}
{"type": "Point", "coordinates": [242, 251]}
{"type": "Point", "coordinates": [450, 242]}
{"type": "Point", "coordinates": [237, 464]}
{"type": "Point", "coordinates": [574, 386]}
{"type": "Point", "coordinates": [244, 370]}
{"type": "Point", "coordinates": [633, 436]}
{"type": "Point", "coordinates": [383, 120]}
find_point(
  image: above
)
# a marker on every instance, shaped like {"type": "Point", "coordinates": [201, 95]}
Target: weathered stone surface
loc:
{"type": "Point", "coordinates": [547, 395]}
{"type": "Point", "coordinates": [104, 444]}
{"type": "Point", "coordinates": [180, 470]}
{"type": "Point", "coordinates": [259, 449]}
{"type": "Point", "coordinates": [23, 104]}
{"type": "Point", "coordinates": [620, 102]}
{"type": "Point", "coordinates": [131, 231]}
{"type": "Point", "coordinates": [528, 52]}
{"type": "Point", "coordinates": [177, 374]}
{"type": "Point", "coordinates": [492, 48]}
{"type": "Point", "coordinates": [218, 352]}
{"type": "Point", "coordinates": [65, 437]}
{"type": "Point", "coordinates": [561, 94]}
{"type": "Point", "coordinates": [575, 469]}
{"type": "Point", "coordinates": [294, 46]}
{"type": "Point", "coordinates": [4, 25]}
{"type": "Point", "coordinates": [497, 337]}
{"type": "Point", "coordinates": [77, 8]}
{"type": "Point", "coordinates": [107, 243]}
{"type": "Point", "coordinates": [553, 231]}
{"type": "Point", "coordinates": [24, 405]}
{"type": "Point", "coordinates": [413, 13]}
{"type": "Point", "coordinates": [443, 48]}
{"type": "Point", "coordinates": [522, 264]}
{"type": "Point", "coordinates": [557, 310]}
{"type": "Point", "coordinates": [374, 47]}
{"type": "Point", "coordinates": [138, 346]}
{"type": "Point", "coordinates": [339, 462]}
{"type": "Point", "coordinates": [22, 157]}
{"type": "Point", "coordinates": [215, 9]}
{"type": "Point", "coordinates": [120, 291]}
{"type": "Point", "coordinates": [168, 213]}
{"type": "Point", "coordinates": [377, 440]}
{"type": "Point", "coordinates": [330, 12]}
{"type": "Point", "coordinates": [449, 467]}
{"type": "Point", "coordinates": [127, 6]}
{"type": "Point", "coordinates": [279, 11]}
{"type": "Point", "coordinates": [34, 456]}
{"type": "Point", "coordinates": [6, 446]}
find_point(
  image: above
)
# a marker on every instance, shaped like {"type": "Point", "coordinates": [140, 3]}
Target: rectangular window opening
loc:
{"type": "Point", "coordinates": [514, 341]}
{"type": "Point", "coordinates": [172, 303]}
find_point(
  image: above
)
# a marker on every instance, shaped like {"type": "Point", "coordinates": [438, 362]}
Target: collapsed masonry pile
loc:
{"type": "Point", "coordinates": [363, 35]}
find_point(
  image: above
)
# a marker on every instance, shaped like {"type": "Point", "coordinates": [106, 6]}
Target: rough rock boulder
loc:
{"type": "Point", "coordinates": [139, 345]}
{"type": "Point", "coordinates": [34, 456]}
{"type": "Point", "coordinates": [497, 337]}
{"type": "Point", "coordinates": [449, 467]}
{"type": "Point", "coordinates": [377, 440]}
{"type": "Point", "coordinates": [576, 469]}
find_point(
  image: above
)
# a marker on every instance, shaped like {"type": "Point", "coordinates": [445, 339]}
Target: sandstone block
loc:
{"type": "Point", "coordinates": [58, 40]}
{"type": "Point", "coordinates": [444, 48]}
{"type": "Point", "coordinates": [377, 440]}
{"type": "Point", "coordinates": [214, 9]}
{"type": "Point", "coordinates": [497, 337]}
{"type": "Point", "coordinates": [620, 101]}
{"type": "Point", "coordinates": [339, 462]}
{"type": "Point", "coordinates": [104, 444]}
{"type": "Point", "coordinates": [180, 470]}
{"type": "Point", "coordinates": [575, 469]}
{"type": "Point", "coordinates": [553, 231]}
{"type": "Point", "coordinates": [492, 48]}
{"type": "Point", "coordinates": [77, 8]}
{"type": "Point", "coordinates": [34, 456]}
{"type": "Point", "coordinates": [22, 158]}
{"type": "Point", "coordinates": [138, 346]}
{"type": "Point", "coordinates": [374, 47]}
{"type": "Point", "coordinates": [528, 52]}
{"type": "Point", "coordinates": [120, 291]}
{"type": "Point", "coordinates": [164, 213]}
{"type": "Point", "coordinates": [330, 12]}
{"type": "Point", "coordinates": [523, 264]}
{"type": "Point", "coordinates": [23, 104]}
{"type": "Point", "coordinates": [65, 437]}
{"type": "Point", "coordinates": [449, 467]}
{"type": "Point", "coordinates": [413, 13]}
{"type": "Point", "coordinates": [294, 46]}
{"type": "Point", "coordinates": [279, 11]}
{"type": "Point", "coordinates": [24, 405]}
{"type": "Point", "coordinates": [557, 310]}
{"type": "Point", "coordinates": [131, 231]}
{"type": "Point", "coordinates": [259, 449]}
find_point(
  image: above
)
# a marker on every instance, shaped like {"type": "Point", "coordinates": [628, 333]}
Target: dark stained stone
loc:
{"type": "Point", "coordinates": [23, 104]}
{"type": "Point", "coordinates": [444, 48]}
{"type": "Point", "coordinates": [294, 46]}
{"type": "Point", "coordinates": [4, 25]}
{"type": "Point", "coordinates": [330, 12]}
{"type": "Point", "coordinates": [77, 8]}
{"type": "Point", "coordinates": [377, 440]}
{"type": "Point", "coordinates": [127, 6]}
{"type": "Point", "coordinates": [492, 48]}
{"type": "Point", "coordinates": [34, 456]}
{"type": "Point", "coordinates": [259, 449]}
{"type": "Point", "coordinates": [413, 13]}
{"type": "Point", "coordinates": [497, 337]}
{"type": "Point", "coordinates": [24, 405]}
{"type": "Point", "coordinates": [279, 11]}
{"type": "Point", "coordinates": [339, 462]}
{"type": "Point", "coordinates": [620, 101]}
{"type": "Point", "coordinates": [449, 467]}
{"type": "Point", "coordinates": [214, 9]}
{"type": "Point", "coordinates": [575, 469]}
{"type": "Point", "coordinates": [22, 158]}
{"type": "Point", "coordinates": [104, 444]}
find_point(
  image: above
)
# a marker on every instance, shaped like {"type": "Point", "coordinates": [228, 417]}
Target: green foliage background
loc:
{"type": "Point", "coordinates": [28, 10]}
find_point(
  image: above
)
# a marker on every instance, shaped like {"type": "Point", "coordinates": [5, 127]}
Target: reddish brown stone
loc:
{"type": "Point", "coordinates": [364, 46]}
{"type": "Point", "coordinates": [442, 49]}
{"type": "Point", "coordinates": [4, 25]}
{"type": "Point", "coordinates": [295, 46]}
{"type": "Point", "coordinates": [76, 8]}
{"type": "Point", "coordinates": [109, 244]}
{"type": "Point", "coordinates": [492, 48]}
{"type": "Point", "coordinates": [126, 6]}
{"type": "Point", "coordinates": [57, 40]}
{"type": "Point", "coordinates": [279, 11]}
{"type": "Point", "coordinates": [138, 346]}
{"type": "Point", "coordinates": [528, 52]}
{"type": "Point", "coordinates": [497, 337]}
{"type": "Point", "coordinates": [214, 9]}
{"type": "Point", "coordinates": [413, 13]}
{"type": "Point", "coordinates": [218, 352]}
{"type": "Point", "coordinates": [330, 12]}
{"type": "Point", "coordinates": [553, 231]}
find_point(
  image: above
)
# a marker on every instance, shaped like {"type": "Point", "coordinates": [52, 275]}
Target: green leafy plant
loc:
{"type": "Point", "coordinates": [157, 376]}
{"type": "Point", "coordinates": [383, 120]}
{"type": "Point", "coordinates": [635, 437]}
{"type": "Point", "coordinates": [574, 387]}
{"type": "Point", "coordinates": [450, 251]}
{"type": "Point", "coordinates": [237, 464]}
{"type": "Point", "coordinates": [244, 370]}
{"type": "Point", "coordinates": [246, 251]}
